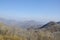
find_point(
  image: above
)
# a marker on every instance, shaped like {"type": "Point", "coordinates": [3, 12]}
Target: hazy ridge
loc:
{"type": "Point", "coordinates": [48, 31]}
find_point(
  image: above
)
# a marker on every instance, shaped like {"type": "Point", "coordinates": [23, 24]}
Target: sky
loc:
{"type": "Point", "coordinates": [40, 10]}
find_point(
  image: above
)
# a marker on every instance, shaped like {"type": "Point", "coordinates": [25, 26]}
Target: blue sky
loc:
{"type": "Point", "coordinates": [42, 10]}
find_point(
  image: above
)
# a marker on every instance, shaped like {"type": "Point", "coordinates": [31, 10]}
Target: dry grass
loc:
{"type": "Point", "coordinates": [7, 33]}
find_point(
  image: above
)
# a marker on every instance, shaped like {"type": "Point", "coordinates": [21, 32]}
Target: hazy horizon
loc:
{"type": "Point", "coordinates": [40, 10]}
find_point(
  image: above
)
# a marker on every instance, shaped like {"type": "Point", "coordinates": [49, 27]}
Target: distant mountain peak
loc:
{"type": "Point", "coordinates": [49, 24]}
{"type": "Point", "coordinates": [58, 22]}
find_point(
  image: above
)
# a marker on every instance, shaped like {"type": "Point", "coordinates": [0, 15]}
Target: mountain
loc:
{"type": "Point", "coordinates": [23, 24]}
{"type": "Point", "coordinates": [8, 22]}
{"type": "Point", "coordinates": [28, 24]}
{"type": "Point", "coordinates": [51, 26]}
{"type": "Point", "coordinates": [48, 24]}
{"type": "Point", "coordinates": [58, 22]}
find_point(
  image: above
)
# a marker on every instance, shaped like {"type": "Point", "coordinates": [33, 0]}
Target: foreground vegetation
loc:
{"type": "Point", "coordinates": [13, 33]}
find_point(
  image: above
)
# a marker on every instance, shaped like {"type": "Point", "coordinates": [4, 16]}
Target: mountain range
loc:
{"type": "Point", "coordinates": [31, 24]}
{"type": "Point", "coordinates": [23, 24]}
